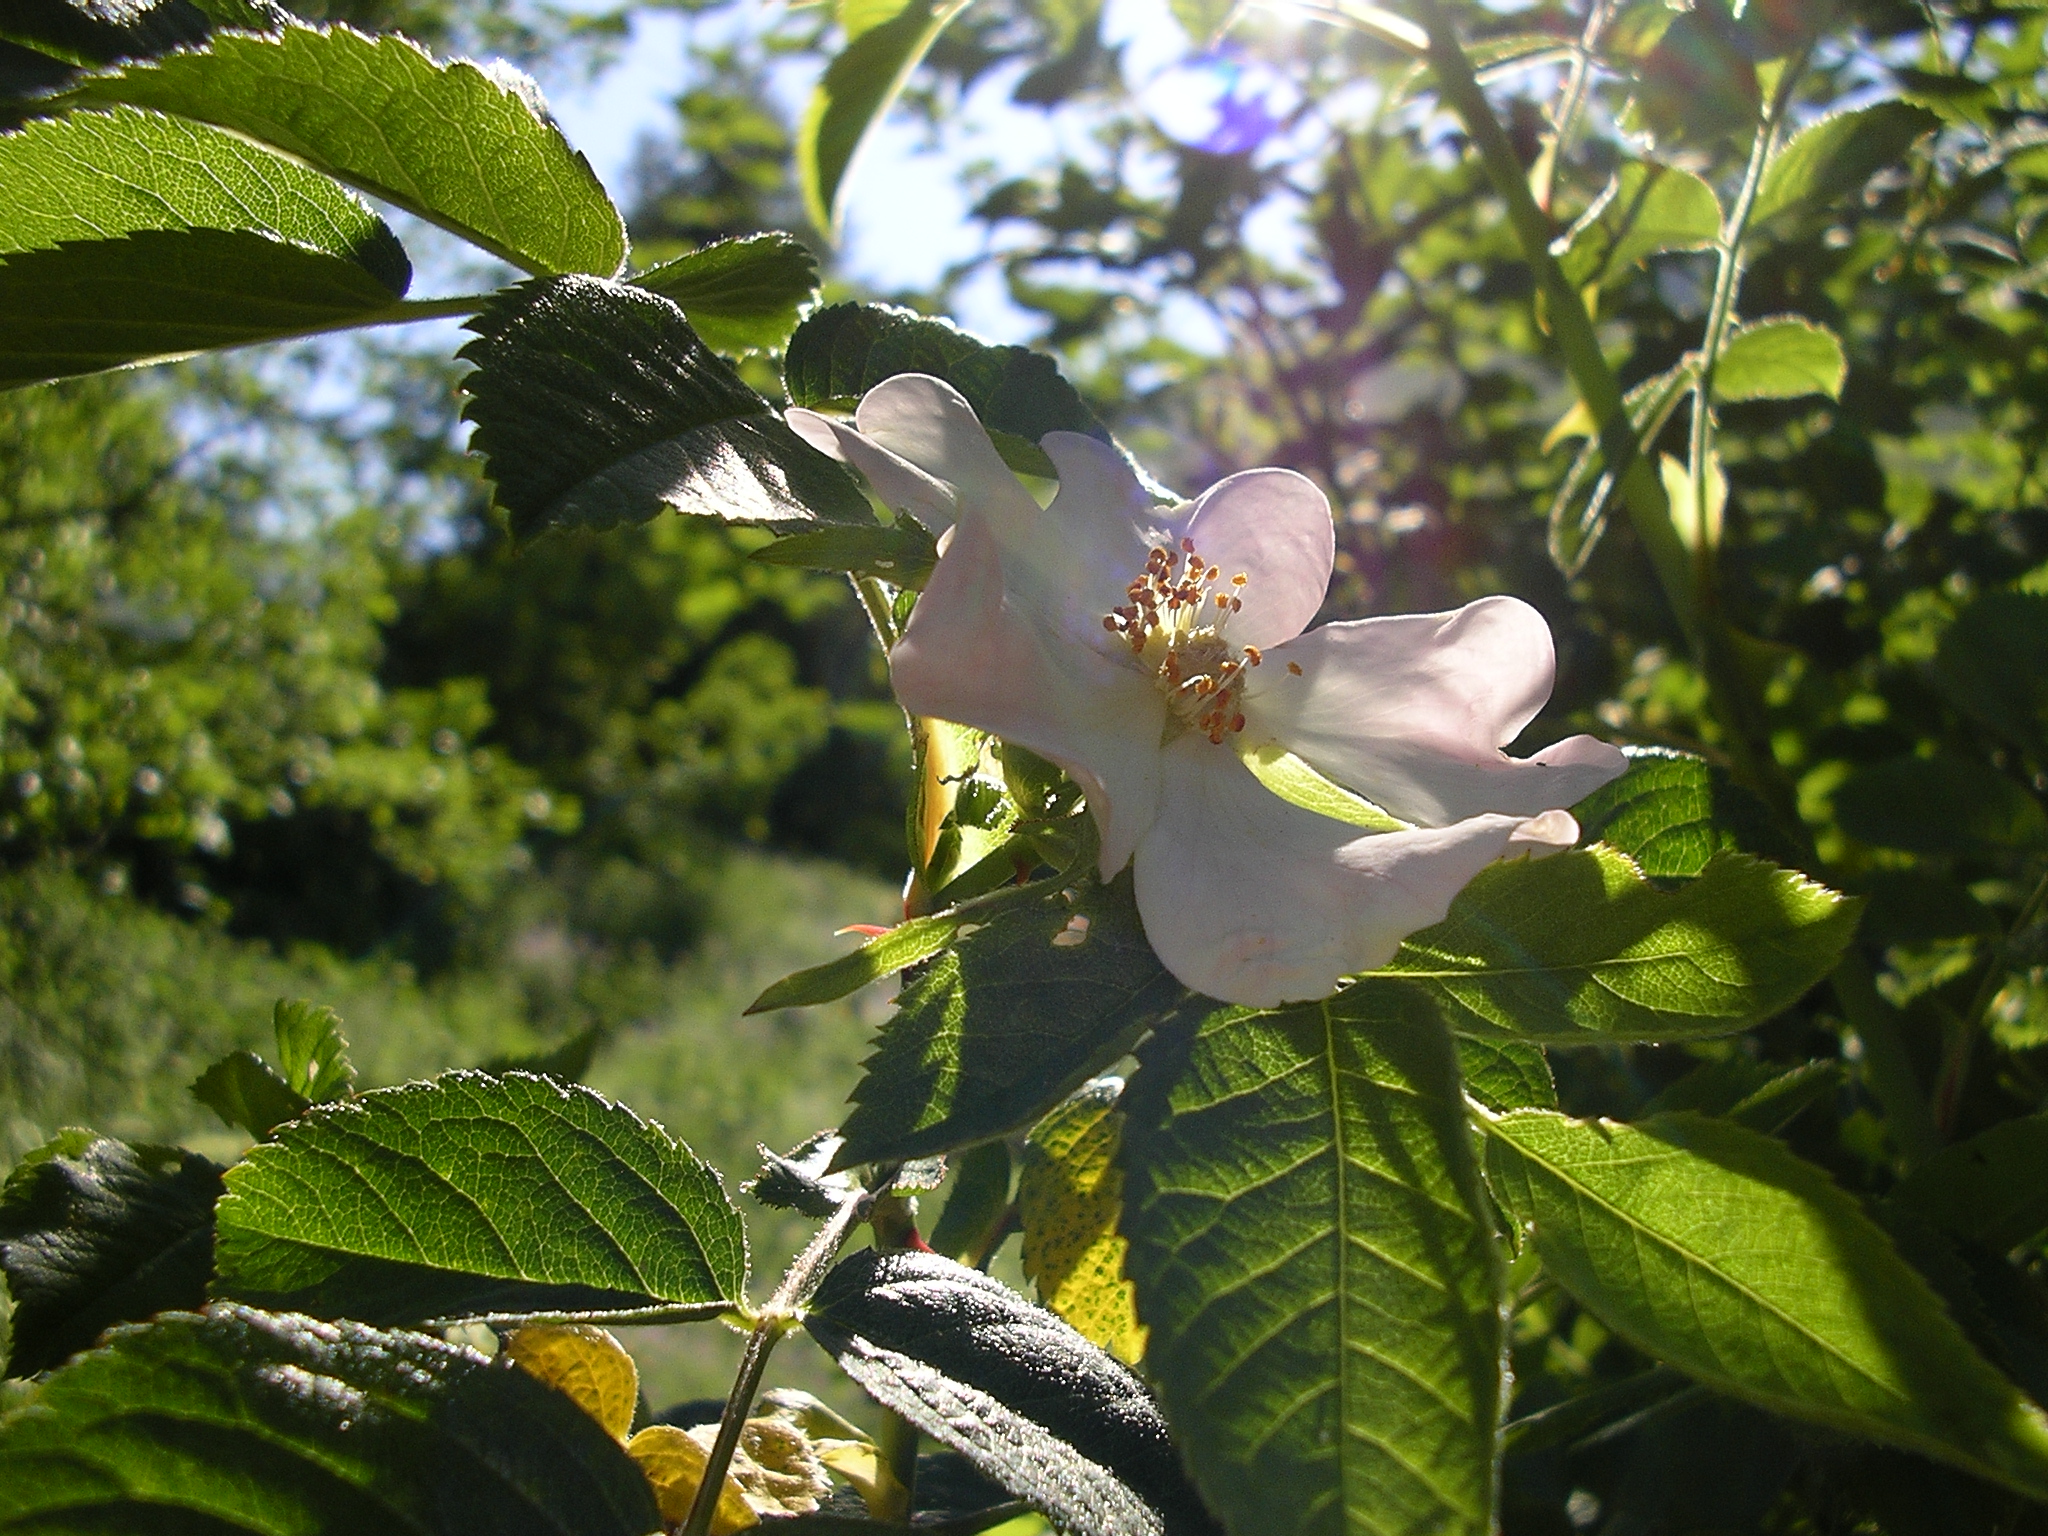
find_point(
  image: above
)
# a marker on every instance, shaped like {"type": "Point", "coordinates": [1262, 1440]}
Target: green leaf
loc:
{"type": "Point", "coordinates": [95, 1232]}
{"type": "Point", "coordinates": [246, 1091]}
{"type": "Point", "coordinates": [902, 555]}
{"type": "Point", "coordinates": [1993, 665]}
{"type": "Point", "coordinates": [1311, 1257]}
{"type": "Point", "coordinates": [740, 295]}
{"type": "Point", "coordinates": [840, 353]}
{"type": "Point", "coordinates": [1781, 358]}
{"type": "Point", "coordinates": [596, 405]}
{"type": "Point", "coordinates": [1069, 1198]}
{"type": "Point", "coordinates": [1580, 949]}
{"type": "Point", "coordinates": [1832, 158]}
{"type": "Point", "coordinates": [96, 176]}
{"type": "Point", "coordinates": [1506, 1074]}
{"type": "Point", "coordinates": [1645, 208]}
{"type": "Point", "coordinates": [1296, 781]}
{"type": "Point", "coordinates": [469, 148]}
{"type": "Point", "coordinates": [474, 1196]}
{"type": "Point", "coordinates": [1952, 805]}
{"type": "Point", "coordinates": [856, 92]}
{"type": "Point", "coordinates": [1716, 1250]}
{"type": "Point", "coordinates": [88, 33]}
{"type": "Point", "coordinates": [278, 1426]}
{"type": "Point", "coordinates": [312, 1049]}
{"type": "Point", "coordinates": [1017, 1392]}
{"type": "Point", "coordinates": [1672, 812]}
{"type": "Point", "coordinates": [162, 294]}
{"type": "Point", "coordinates": [1049, 988]}
{"type": "Point", "coordinates": [904, 945]}
{"type": "Point", "coordinates": [1991, 1190]}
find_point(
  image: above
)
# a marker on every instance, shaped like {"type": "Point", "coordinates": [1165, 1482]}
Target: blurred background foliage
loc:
{"type": "Point", "coordinates": [283, 711]}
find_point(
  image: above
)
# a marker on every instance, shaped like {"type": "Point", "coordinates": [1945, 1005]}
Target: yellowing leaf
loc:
{"type": "Point", "coordinates": [864, 1470]}
{"type": "Point", "coordinates": [674, 1464]}
{"type": "Point", "coordinates": [585, 1364]}
{"type": "Point", "coordinates": [1068, 1200]}
{"type": "Point", "coordinates": [1576, 422]}
{"type": "Point", "coordinates": [1695, 523]}
{"type": "Point", "coordinates": [777, 1468]}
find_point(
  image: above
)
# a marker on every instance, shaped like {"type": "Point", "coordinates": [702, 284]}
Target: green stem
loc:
{"type": "Point", "coordinates": [781, 1314]}
{"type": "Point", "coordinates": [1570, 326]}
{"type": "Point", "coordinates": [874, 601]}
{"type": "Point", "coordinates": [1737, 702]}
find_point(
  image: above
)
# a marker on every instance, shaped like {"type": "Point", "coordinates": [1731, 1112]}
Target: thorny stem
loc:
{"type": "Point", "coordinates": [781, 1313]}
{"type": "Point", "coordinates": [1955, 1064]}
{"type": "Point", "coordinates": [1887, 1066]}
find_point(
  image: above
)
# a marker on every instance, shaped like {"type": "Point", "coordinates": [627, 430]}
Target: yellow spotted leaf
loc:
{"type": "Point", "coordinates": [674, 1463]}
{"type": "Point", "coordinates": [585, 1364]}
{"type": "Point", "coordinates": [1068, 1198]}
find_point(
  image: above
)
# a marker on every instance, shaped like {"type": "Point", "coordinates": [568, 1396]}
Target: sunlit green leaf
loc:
{"type": "Point", "coordinates": [239, 1420]}
{"type": "Point", "coordinates": [311, 1049]}
{"type": "Point", "coordinates": [1780, 358]}
{"type": "Point", "coordinates": [1579, 948]}
{"type": "Point", "coordinates": [474, 1196]}
{"type": "Point", "coordinates": [904, 945]}
{"type": "Point", "coordinates": [1646, 208]}
{"type": "Point", "coordinates": [856, 92]}
{"type": "Point", "coordinates": [1506, 1074]}
{"type": "Point", "coordinates": [471, 148]}
{"type": "Point", "coordinates": [1311, 1256]}
{"type": "Point", "coordinates": [902, 555]}
{"type": "Point", "coordinates": [740, 295]}
{"type": "Point", "coordinates": [246, 1091]}
{"type": "Point", "coordinates": [1715, 1249]}
{"type": "Point", "coordinates": [1831, 158]}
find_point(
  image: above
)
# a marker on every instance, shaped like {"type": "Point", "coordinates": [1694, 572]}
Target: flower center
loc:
{"type": "Point", "coordinates": [1174, 624]}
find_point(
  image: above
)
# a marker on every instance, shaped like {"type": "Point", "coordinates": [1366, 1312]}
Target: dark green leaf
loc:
{"type": "Point", "coordinates": [1661, 813]}
{"type": "Point", "coordinates": [1781, 358]}
{"type": "Point", "coordinates": [1580, 949]}
{"type": "Point", "coordinates": [855, 93]}
{"type": "Point", "coordinates": [1956, 805]}
{"type": "Point", "coordinates": [1715, 1249]}
{"type": "Point", "coordinates": [595, 405]}
{"type": "Point", "coordinates": [799, 1182]}
{"type": "Point", "coordinates": [1757, 1094]}
{"type": "Point", "coordinates": [1052, 985]}
{"type": "Point", "coordinates": [88, 33]}
{"type": "Point", "coordinates": [976, 1205]}
{"type": "Point", "coordinates": [1506, 1074]}
{"type": "Point", "coordinates": [161, 294]}
{"type": "Point", "coordinates": [1022, 1396]}
{"type": "Point", "coordinates": [312, 1049]}
{"type": "Point", "coordinates": [740, 295]}
{"type": "Point", "coordinates": [240, 1421]}
{"type": "Point", "coordinates": [95, 176]}
{"type": "Point", "coordinates": [1832, 158]}
{"type": "Point", "coordinates": [840, 353]}
{"type": "Point", "coordinates": [469, 148]}
{"type": "Point", "coordinates": [1311, 1257]}
{"type": "Point", "coordinates": [902, 555]}
{"type": "Point", "coordinates": [1993, 664]}
{"type": "Point", "coordinates": [1646, 208]}
{"type": "Point", "coordinates": [474, 1196]}
{"type": "Point", "coordinates": [95, 1232]}
{"type": "Point", "coordinates": [245, 1090]}
{"type": "Point", "coordinates": [1991, 1190]}
{"type": "Point", "coordinates": [1577, 1417]}
{"type": "Point", "coordinates": [1913, 906]}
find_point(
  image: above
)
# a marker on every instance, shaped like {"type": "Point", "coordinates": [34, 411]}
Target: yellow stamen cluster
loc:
{"type": "Point", "coordinates": [1201, 675]}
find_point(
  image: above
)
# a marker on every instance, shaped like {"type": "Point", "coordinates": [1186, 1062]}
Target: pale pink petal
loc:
{"type": "Point", "coordinates": [1412, 711]}
{"type": "Point", "coordinates": [902, 486]}
{"type": "Point", "coordinates": [1273, 526]}
{"type": "Point", "coordinates": [1095, 536]}
{"type": "Point", "coordinates": [928, 422]}
{"type": "Point", "coordinates": [970, 655]}
{"type": "Point", "coordinates": [1259, 902]}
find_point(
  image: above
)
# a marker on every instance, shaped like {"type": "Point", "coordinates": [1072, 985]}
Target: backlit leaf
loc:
{"type": "Point", "coordinates": [311, 1049]}
{"type": "Point", "coordinates": [740, 295]}
{"type": "Point", "coordinates": [586, 1365]}
{"type": "Point", "coordinates": [1311, 1257]}
{"type": "Point", "coordinates": [474, 1196]}
{"type": "Point", "coordinates": [468, 147]}
{"type": "Point", "coordinates": [1580, 948]}
{"type": "Point", "coordinates": [1780, 358]}
{"type": "Point", "coordinates": [1645, 208]}
{"type": "Point", "coordinates": [246, 1091]}
{"type": "Point", "coordinates": [1069, 1198]}
{"type": "Point", "coordinates": [1715, 1249]}
{"type": "Point", "coordinates": [1834, 157]}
